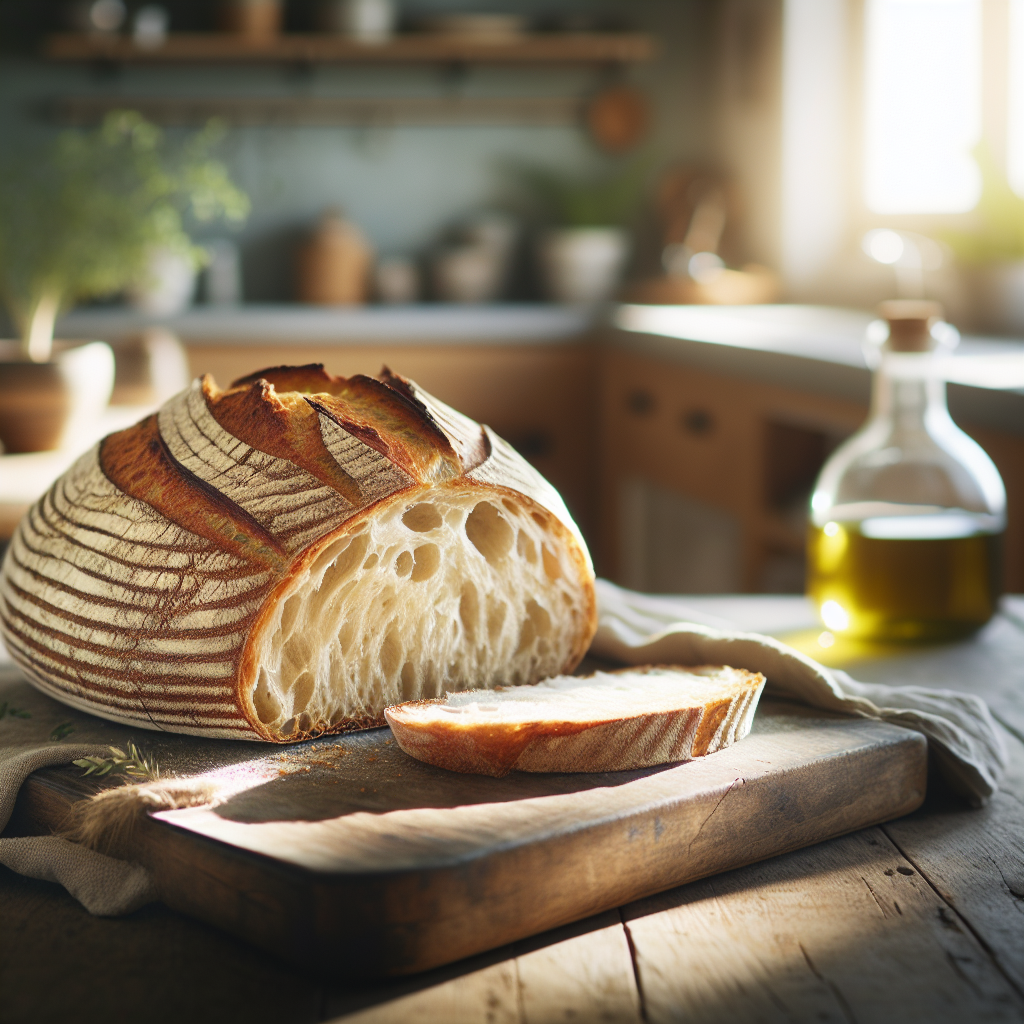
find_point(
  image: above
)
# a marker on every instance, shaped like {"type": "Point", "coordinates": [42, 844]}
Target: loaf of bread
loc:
{"type": "Point", "coordinates": [288, 557]}
{"type": "Point", "coordinates": [609, 721]}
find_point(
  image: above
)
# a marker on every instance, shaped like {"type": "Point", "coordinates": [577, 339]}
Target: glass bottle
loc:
{"type": "Point", "coordinates": [907, 516]}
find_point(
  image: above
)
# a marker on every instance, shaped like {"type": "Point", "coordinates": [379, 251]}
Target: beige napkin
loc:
{"type": "Point", "coordinates": [103, 885]}
{"type": "Point", "coordinates": [633, 628]}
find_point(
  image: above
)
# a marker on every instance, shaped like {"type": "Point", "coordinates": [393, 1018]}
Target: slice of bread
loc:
{"type": "Point", "coordinates": [608, 721]}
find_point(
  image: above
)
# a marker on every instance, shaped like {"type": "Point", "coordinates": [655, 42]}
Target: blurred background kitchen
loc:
{"type": "Point", "coordinates": [642, 240]}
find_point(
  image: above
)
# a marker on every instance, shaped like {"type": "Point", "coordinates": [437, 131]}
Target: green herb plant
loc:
{"type": "Point", "coordinates": [6, 709]}
{"type": "Point", "coordinates": [62, 731]}
{"type": "Point", "coordinates": [79, 218]}
{"type": "Point", "coordinates": [998, 236]}
{"type": "Point", "coordinates": [607, 199]}
{"type": "Point", "coordinates": [131, 763]}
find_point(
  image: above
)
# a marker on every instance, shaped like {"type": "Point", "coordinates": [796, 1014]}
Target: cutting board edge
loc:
{"type": "Point", "coordinates": [262, 884]}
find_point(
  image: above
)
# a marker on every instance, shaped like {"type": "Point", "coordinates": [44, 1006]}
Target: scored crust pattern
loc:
{"type": "Point", "coordinates": [289, 556]}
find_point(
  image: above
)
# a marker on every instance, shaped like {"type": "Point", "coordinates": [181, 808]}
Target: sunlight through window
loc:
{"type": "Point", "coordinates": [1015, 128]}
{"type": "Point", "coordinates": [923, 105]}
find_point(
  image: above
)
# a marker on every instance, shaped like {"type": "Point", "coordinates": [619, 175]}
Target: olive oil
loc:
{"type": "Point", "coordinates": [872, 581]}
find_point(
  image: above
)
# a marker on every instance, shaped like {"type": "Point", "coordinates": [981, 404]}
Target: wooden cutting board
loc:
{"type": "Point", "coordinates": [349, 855]}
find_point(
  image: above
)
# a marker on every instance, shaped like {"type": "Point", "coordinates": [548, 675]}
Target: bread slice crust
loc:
{"type": "Point", "coordinates": [639, 728]}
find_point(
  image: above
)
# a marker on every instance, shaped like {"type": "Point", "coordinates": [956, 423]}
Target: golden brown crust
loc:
{"type": "Point", "coordinates": [136, 460]}
{"type": "Point", "coordinates": [482, 747]}
{"type": "Point", "coordinates": [282, 424]}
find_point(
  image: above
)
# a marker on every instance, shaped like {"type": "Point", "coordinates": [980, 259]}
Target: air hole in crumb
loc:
{"type": "Point", "coordinates": [403, 563]}
{"type": "Point", "coordinates": [427, 557]}
{"type": "Point", "coordinates": [290, 612]}
{"type": "Point", "coordinates": [345, 561]}
{"type": "Point", "coordinates": [489, 532]}
{"type": "Point", "coordinates": [539, 519]}
{"type": "Point", "coordinates": [346, 634]}
{"type": "Point", "coordinates": [526, 636]}
{"type": "Point", "coordinates": [304, 723]}
{"type": "Point", "coordinates": [288, 728]}
{"type": "Point", "coordinates": [390, 654]}
{"type": "Point", "coordinates": [371, 561]}
{"type": "Point", "coordinates": [551, 566]}
{"type": "Point", "coordinates": [469, 610]}
{"type": "Point", "coordinates": [496, 612]}
{"type": "Point", "coordinates": [539, 617]}
{"type": "Point", "coordinates": [511, 506]}
{"type": "Point", "coordinates": [408, 681]}
{"type": "Point", "coordinates": [422, 518]}
{"type": "Point", "coordinates": [265, 701]}
{"type": "Point", "coordinates": [526, 548]}
{"type": "Point", "coordinates": [302, 691]}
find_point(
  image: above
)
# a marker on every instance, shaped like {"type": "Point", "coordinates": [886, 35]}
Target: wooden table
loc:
{"type": "Point", "coordinates": [921, 919]}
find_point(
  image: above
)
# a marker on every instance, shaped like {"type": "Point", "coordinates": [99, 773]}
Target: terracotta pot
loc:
{"type": "Point", "coordinates": [42, 404]}
{"type": "Point", "coordinates": [256, 20]}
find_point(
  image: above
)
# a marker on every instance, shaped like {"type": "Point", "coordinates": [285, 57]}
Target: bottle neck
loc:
{"type": "Point", "coordinates": [908, 392]}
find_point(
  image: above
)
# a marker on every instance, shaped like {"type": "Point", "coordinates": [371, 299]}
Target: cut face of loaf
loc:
{"type": "Point", "coordinates": [609, 721]}
{"type": "Point", "coordinates": [290, 556]}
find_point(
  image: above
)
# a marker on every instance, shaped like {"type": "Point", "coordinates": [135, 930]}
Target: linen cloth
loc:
{"type": "Point", "coordinates": [632, 628]}
{"type": "Point", "coordinates": [963, 740]}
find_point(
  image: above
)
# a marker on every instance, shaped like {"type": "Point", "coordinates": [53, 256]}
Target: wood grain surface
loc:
{"type": "Point", "coordinates": [961, 932]}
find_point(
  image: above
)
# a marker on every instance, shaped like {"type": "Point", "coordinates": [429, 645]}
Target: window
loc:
{"type": "Point", "coordinates": [1015, 119]}
{"type": "Point", "coordinates": [894, 112]}
{"type": "Point", "coordinates": [922, 105]}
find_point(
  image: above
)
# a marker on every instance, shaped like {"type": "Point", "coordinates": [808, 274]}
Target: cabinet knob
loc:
{"type": "Point", "coordinates": [640, 402]}
{"type": "Point", "coordinates": [697, 422]}
{"type": "Point", "coordinates": [533, 444]}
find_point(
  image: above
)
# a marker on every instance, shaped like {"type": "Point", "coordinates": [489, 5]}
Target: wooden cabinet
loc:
{"type": "Point", "coordinates": [704, 477]}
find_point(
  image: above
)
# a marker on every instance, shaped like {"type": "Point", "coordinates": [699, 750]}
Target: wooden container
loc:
{"type": "Point", "coordinates": [255, 20]}
{"type": "Point", "coordinates": [334, 264]}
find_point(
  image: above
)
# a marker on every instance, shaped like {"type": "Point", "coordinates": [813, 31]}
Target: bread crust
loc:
{"type": "Point", "coordinates": [612, 742]}
{"type": "Point", "coordinates": [141, 587]}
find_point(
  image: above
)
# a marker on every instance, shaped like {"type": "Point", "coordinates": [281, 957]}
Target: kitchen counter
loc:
{"type": "Point", "coordinates": [294, 324]}
{"type": "Point", "coordinates": [910, 922]}
{"type": "Point", "coordinates": [813, 348]}
{"type": "Point", "coordinates": [818, 349]}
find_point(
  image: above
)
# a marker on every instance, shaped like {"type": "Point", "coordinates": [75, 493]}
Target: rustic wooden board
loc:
{"type": "Point", "coordinates": [346, 853]}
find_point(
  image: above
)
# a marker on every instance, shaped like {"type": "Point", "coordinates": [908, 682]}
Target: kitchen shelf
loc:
{"type": "Point", "coordinates": [327, 110]}
{"type": "Point", "coordinates": [293, 324]}
{"type": "Point", "coordinates": [213, 47]}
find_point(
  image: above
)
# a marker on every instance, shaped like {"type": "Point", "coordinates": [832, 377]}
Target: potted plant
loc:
{"type": "Point", "coordinates": [82, 219]}
{"type": "Point", "coordinates": [992, 254]}
{"type": "Point", "coordinates": [584, 251]}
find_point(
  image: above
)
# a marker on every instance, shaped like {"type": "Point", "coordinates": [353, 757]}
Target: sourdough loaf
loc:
{"type": "Point", "coordinates": [609, 721]}
{"type": "Point", "coordinates": [287, 557]}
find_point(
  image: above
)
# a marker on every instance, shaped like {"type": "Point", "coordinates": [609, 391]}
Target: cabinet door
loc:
{"type": "Point", "coordinates": [710, 456]}
{"type": "Point", "coordinates": [734, 457]}
{"type": "Point", "coordinates": [674, 436]}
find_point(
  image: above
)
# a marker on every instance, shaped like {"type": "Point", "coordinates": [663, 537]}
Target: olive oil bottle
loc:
{"type": "Point", "coordinates": [907, 516]}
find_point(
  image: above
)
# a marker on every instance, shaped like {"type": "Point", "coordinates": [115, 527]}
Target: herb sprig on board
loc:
{"type": "Point", "coordinates": [132, 763]}
{"type": "Point", "coordinates": [6, 709]}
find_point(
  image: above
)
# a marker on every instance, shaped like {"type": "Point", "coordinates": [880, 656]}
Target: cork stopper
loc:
{"type": "Point", "coordinates": [910, 323]}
